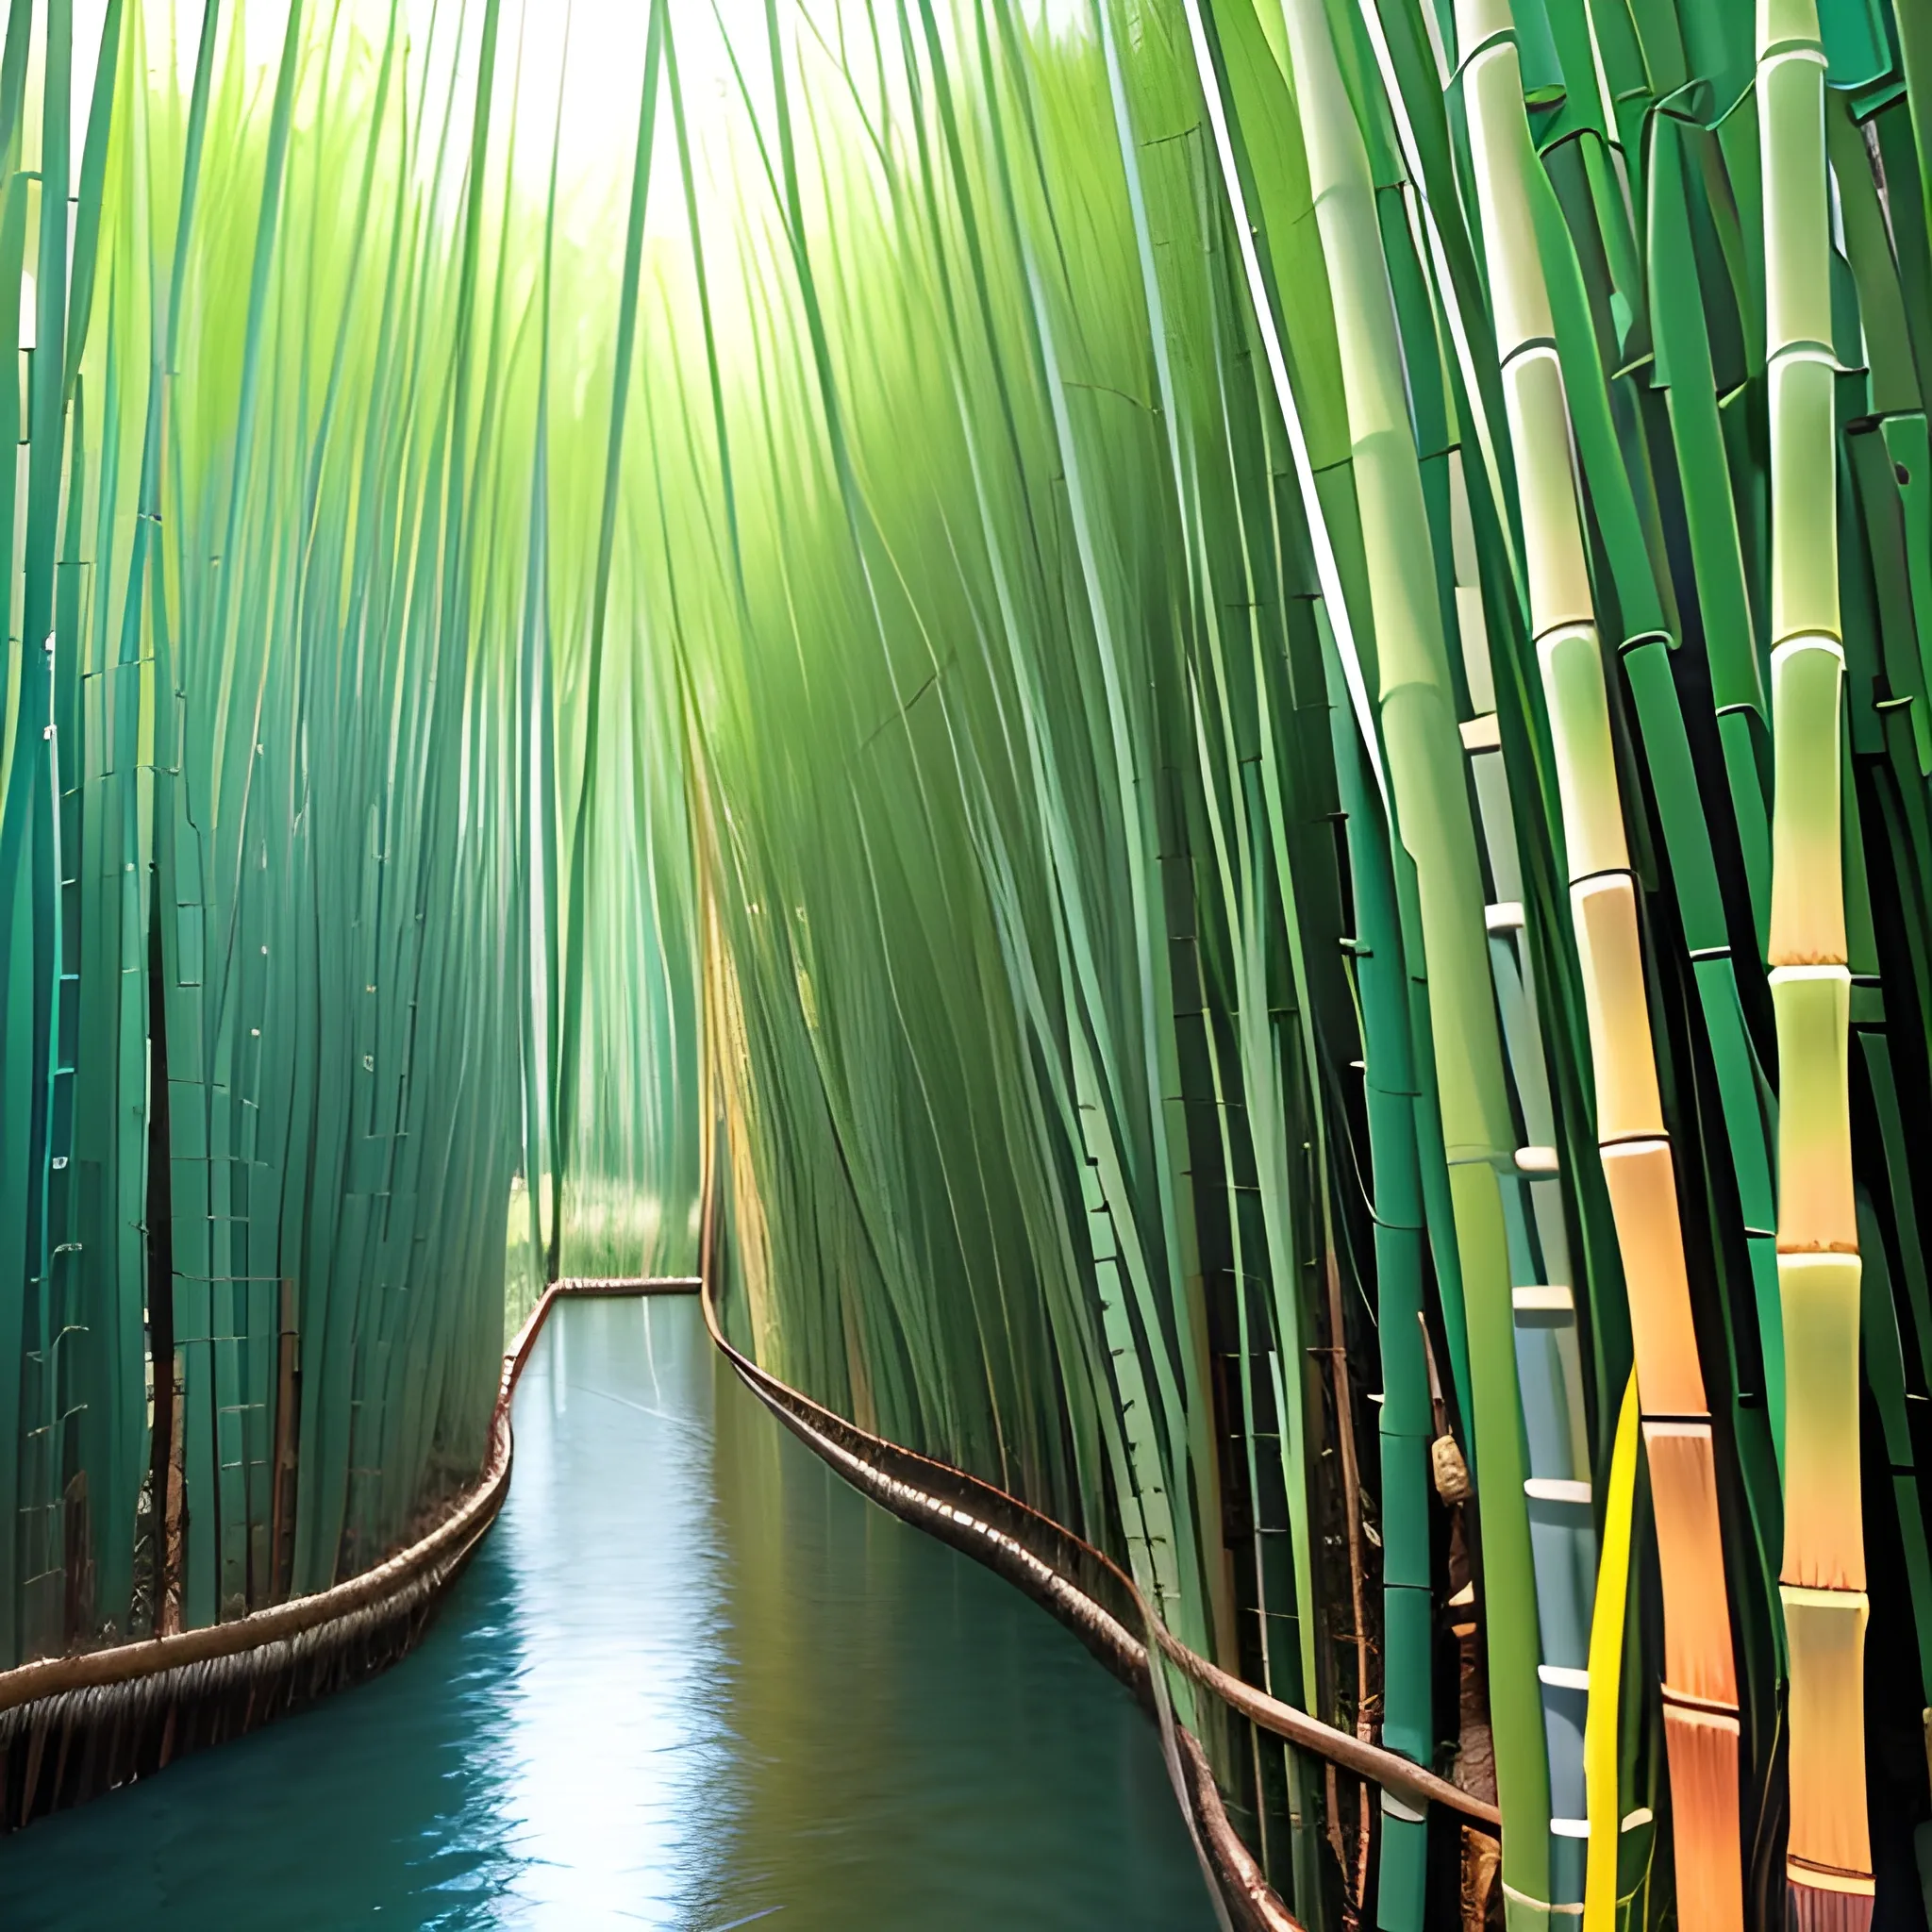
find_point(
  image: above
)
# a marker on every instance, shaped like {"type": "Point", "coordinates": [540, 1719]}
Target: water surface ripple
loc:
{"type": "Point", "coordinates": [691, 1681]}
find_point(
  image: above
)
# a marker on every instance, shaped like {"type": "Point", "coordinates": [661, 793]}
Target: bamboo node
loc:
{"type": "Point", "coordinates": [1828, 1877]}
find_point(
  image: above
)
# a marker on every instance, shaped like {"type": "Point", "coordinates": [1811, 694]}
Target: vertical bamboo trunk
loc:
{"type": "Point", "coordinates": [1435, 823]}
{"type": "Point", "coordinates": [1606, 1631]}
{"type": "Point", "coordinates": [1700, 1695]}
{"type": "Point", "coordinates": [1401, 1248]}
{"type": "Point", "coordinates": [288, 1435]}
{"type": "Point", "coordinates": [1823, 1579]}
{"type": "Point", "coordinates": [568, 1072]}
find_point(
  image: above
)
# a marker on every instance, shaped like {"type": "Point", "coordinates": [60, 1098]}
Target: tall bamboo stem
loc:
{"type": "Point", "coordinates": [1435, 823]}
{"type": "Point", "coordinates": [1701, 1726]}
{"type": "Point", "coordinates": [1822, 1579]}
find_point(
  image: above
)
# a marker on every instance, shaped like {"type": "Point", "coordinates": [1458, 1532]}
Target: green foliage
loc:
{"type": "Point", "coordinates": [279, 806]}
{"type": "Point", "coordinates": [909, 615]}
{"type": "Point", "coordinates": [1058, 826]}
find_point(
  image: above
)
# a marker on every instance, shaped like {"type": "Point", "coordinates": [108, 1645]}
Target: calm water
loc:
{"type": "Point", "coordinates": [691, 1681]}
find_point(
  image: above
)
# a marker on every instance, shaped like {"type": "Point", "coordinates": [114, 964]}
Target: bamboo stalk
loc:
{"type": "Point", "coordinates": [1700, 1691]}
{"type": "Point", "coordinates": [1433, 818]}
{"type": "Point", "coordinates": [1606, 1632]}
{"type": "Point", "coordinates": [567, 1070]}
{"type": "Point", "coordinates": [1822, 1579]}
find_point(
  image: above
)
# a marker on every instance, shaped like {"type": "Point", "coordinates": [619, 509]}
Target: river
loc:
{"type": "Point", "coordinates": [691, 1681]}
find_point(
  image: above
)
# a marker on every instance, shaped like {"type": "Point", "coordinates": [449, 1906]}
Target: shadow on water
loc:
{"type": "Point", "coordinates": [691, 1681]}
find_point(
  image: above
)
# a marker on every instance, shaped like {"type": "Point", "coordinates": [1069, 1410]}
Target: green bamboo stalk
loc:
{"type": "Point", "coordinates": [1406, 1423]}
{"type": "Point", "coordinates": [1432, 818]}
{"type": "Point", "coordinates": [536, 738]}
{"type": "Point", "coordinates": [1822, 1580]}
{"type": "Point", "coordinates": [563, 1118]}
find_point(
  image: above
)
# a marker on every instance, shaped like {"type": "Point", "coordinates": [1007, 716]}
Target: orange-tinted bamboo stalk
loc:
{"type": "Point", "coordinates": [1701, 1726]}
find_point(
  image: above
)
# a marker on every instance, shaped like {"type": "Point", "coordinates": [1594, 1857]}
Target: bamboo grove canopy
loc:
{"type": "Point", "coordinates": [1232, 697]}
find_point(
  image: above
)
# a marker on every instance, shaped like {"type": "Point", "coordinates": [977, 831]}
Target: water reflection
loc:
{"type": "Point", "coordinates": [691, 1682]}
{"type": "Point", "coordinates": [618, 1752]}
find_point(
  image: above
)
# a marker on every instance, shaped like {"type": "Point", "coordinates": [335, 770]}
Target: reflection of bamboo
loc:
{"type": "Point", "coordinates": [1701, 1728]}
{"type": "Point", "coordinates": [1434, 822]}
{"type": "Point", "coordinates": [1823, 1581]}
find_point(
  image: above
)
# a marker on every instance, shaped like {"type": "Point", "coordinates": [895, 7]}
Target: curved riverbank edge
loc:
{"type": "Point", "coordinates": [1097, 1600]}
{"type": "Point", "coordinates": [74, 1727]}
{"type": "Point", "coordinates": [943, 1501]}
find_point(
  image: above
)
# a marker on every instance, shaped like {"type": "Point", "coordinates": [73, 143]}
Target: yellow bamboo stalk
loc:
{"type": "Point", "coordinates": [1822, 1579]}
{"type": "Point", "coordinates": [725, 1067]}
{"type": "Point", "coordinates": [1700, 1689]}
{"type": "Point", "coordinates": [1605, 1674]}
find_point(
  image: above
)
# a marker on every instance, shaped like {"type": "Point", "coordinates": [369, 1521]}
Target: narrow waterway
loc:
{"type": "Point", "coordinates": [691, 1681]}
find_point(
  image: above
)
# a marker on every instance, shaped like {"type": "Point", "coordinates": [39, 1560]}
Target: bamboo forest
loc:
{"type": "Point", "coordinates": [1147, 781]}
